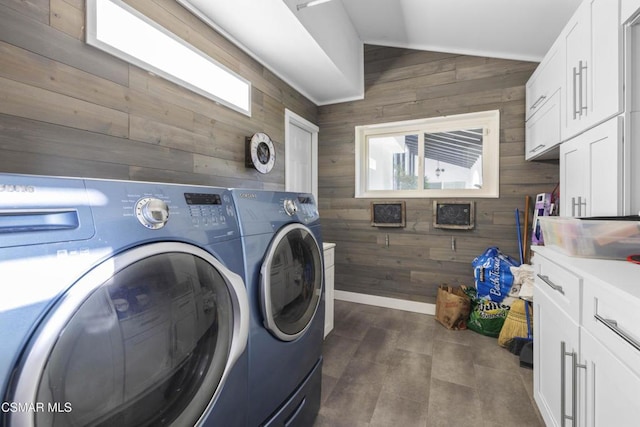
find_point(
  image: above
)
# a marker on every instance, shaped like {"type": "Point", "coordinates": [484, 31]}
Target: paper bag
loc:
{"type": "Point", "coordinates": [452, 307]}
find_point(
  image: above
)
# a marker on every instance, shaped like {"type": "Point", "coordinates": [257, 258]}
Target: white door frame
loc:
{"type": "Point", "coordinates": [292, 118]}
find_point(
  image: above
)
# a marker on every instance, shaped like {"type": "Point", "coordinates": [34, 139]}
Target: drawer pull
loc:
{"type": "Point", "coordinates": [552, 285]}
{"type": "Point", "coordinates": [613, 325]}
{"type": "Point", "coordinates": [537, 148]}
{"type": "Point", "coordinates": [538, 101]}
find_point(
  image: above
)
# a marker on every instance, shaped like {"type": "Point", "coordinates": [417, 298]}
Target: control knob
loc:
{"type": "Point", "coordinates": [290, 207]}
{"type": "Point", "coordinates": [152, 213]}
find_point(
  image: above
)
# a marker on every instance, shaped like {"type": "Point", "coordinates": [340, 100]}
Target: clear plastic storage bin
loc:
{"type": "Point", "coordinates": [602, 237]}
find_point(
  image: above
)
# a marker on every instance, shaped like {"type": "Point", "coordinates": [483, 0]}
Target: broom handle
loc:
{"type": "Point", "coordinates": [526, 229]}
{"type": "Point", "coordinates": [526, 312]}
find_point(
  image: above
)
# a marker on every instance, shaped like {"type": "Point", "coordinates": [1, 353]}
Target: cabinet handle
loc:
{"type": "Point", "coordinates": [574, 384]}
{"type": "Point", "coordinates": [563, 385]}
{"type": "Point", "coordinates": [613, 325]}
{"type": "Point", "coordinates": [579, 204]}
{"type": "Point", "coordinates": [575, 95]}
{"type": "Point", "coordinates": [539, 100]}
{"type": "Point", "coordinates": [582, 85]}
{"type": "Point", "coordinates": [533, 150]}
{"type": "Point", "coordinates": [553, 286]}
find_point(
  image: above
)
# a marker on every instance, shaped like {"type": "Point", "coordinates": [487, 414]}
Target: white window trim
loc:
{"type": "Point", "coordinates": [120, 30]}
{"type": "Point", "coordinates": [489, 120]}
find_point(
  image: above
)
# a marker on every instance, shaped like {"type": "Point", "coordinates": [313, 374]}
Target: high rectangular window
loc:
{"type": "Point", "coordinates": [122, 31]}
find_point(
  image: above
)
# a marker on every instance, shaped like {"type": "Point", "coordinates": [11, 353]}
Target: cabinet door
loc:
{"type": "Point", "coordinates": [605, 98]}
{"type": "Point", "coordinates": [573, 177]}
{"type": "Point", "coordinates": [546, 80]}
{"type": "Point", "coordinates": [593, 39]}
{"type": "Point", "coordinates": [591, 172]}
{"type": "Point", "coordinates": [611, 388]}
{"type": "Point", "coordinates": [542, 130]}
{"type": "Point", "coordinates": [554, 332]}
{"type": "Point", "coordinates": [628, 9]}
{"type": "Point", "coordinates": [578, 59]}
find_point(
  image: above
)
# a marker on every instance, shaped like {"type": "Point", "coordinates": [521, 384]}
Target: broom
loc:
{"type": "Point", "coordinates": [516, 331]}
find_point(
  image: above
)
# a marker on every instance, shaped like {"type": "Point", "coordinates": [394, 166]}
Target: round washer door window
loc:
{"type": "Point", "coordinates": [145, 338]}
{"type": "Point", "coordinates": [291, 282]}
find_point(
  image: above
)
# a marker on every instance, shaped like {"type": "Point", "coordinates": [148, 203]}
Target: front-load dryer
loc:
{"type": "Point", "coordinates": [281, 237]}
{"type": "Point", "coordinates": [121, 304]}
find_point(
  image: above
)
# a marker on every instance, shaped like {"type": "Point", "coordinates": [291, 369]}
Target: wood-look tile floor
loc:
{"type": "Point", "coordinates": [385, 367]}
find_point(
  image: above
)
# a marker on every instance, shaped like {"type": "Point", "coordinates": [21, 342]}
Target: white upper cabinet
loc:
{"type": "Point", "coordinates": [628, 9]}
{"type": "Point", "coordinates": [546, 79]}
{"type": "Point", "coordinates": [579, 83]}
{"type": "Point", "coordinates": [544, 97]}
{"type": "Point", "coordinates": [591, 179]}
{"type": "Point", "coordinates": [593, 67]}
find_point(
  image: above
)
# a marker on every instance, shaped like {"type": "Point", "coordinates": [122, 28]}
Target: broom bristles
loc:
{"type": "Point", "coordinates": [515, 325]}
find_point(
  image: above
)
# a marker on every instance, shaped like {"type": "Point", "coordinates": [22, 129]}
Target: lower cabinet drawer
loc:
{"type": "Point", "coordinates": [560, 284]}
{"type": "Point", "coordinates": [614, 320]}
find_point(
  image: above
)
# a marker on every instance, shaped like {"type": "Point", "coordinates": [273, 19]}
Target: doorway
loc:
{"type": "Point", "coordinates": [301, 154]}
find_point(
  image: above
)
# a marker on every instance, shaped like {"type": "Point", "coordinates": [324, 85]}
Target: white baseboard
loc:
{"type": "Point", "coordinates": [398, 304]}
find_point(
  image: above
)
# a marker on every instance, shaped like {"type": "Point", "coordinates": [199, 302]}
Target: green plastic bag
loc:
{"type": "Point", "coordinates": [486, 317]}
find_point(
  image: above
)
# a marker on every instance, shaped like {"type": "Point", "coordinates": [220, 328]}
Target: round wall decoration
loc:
{"type": "Point", "coordinates": [261, 154]}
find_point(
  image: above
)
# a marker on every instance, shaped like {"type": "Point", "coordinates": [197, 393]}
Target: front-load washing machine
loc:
{"type": "Point", "coordinates": [121, 304]}
{"type": "Point", "coordinates": [281, 236]}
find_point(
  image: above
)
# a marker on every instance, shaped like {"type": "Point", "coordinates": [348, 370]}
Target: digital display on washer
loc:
{"type": "Point", "coordinates": [202, 199]}
{"type": "Point", "coordinates": [305, 200]}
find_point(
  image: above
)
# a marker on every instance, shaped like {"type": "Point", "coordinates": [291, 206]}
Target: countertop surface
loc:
{"type": "Point", "coordinates": [621, 275]}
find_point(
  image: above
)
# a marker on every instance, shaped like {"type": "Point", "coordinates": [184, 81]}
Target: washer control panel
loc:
{"type": "Point", "coordinates": [302, 207]}
{"type": "Point", "coordinates": [290, 207]}
{"type": "Point", "coordinates": [152, 213]}
{"type": "Point", "coordinates": [209, 208]}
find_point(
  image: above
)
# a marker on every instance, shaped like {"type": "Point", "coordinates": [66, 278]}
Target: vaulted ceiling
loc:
{"type": "Point", "coordinates": [318, 49]}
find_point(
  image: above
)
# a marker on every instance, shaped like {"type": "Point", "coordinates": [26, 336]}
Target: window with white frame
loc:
{"type": "Point", "coordinates": [120, 30]}
{"type": "Point", "coordinates": [449, 156]}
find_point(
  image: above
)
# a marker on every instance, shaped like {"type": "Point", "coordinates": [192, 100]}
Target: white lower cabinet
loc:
{"type": "Point", "coordinates": [329, 291]}
{"type": "Point", "coordinates": [586, 370]}
{"type": "Point", "coordinates": [611, 393]}
{"type": "Point", "coordinates": [561, 335]}
{"type": "Point", "coordinates": [556, 303]}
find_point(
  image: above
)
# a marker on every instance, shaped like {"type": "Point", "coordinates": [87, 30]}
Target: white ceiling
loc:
{"type": "Point", "coordinates": [318, 50]}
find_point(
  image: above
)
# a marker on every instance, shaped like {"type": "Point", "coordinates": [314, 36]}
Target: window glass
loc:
{"type": "Point", "coordinates": [453, 159]}
{"type": "Point", "coordinates": [450, 156]}
{"type": "Point", "coordinates": [393, 162]}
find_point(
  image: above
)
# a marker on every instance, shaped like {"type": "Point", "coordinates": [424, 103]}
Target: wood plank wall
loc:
{"type": "Point", "coordinates": [67, 108]}
{"type": "Point", "coordinates": [407, 84]}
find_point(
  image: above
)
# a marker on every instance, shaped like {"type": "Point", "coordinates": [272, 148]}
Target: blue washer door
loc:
{"type": "Point", "coordinates": [291, 282]}
{"type": "Point", "coordinates": [147, 337]}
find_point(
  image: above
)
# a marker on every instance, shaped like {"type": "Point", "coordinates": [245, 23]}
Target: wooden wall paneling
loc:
{"type": "Point", "coordinates": [19, 30]}
{"type": "Point", "coordinates": [45, 164]}
{"type": "Point", "coordinates": [31, 102]}
{"type": "Point", "coordinates": [35, 137]}
{"type": "Point", "coordinates": [35, 70]}
{"type": "Point", "coordinates": [68, 18]}
{"type": "Point", "coordinates": [399, 87]}
{"type": "Point", "coordinates": [34, 9]}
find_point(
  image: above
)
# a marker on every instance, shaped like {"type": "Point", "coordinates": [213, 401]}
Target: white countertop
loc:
{"type": "Point", "coordinates": [327, 245]}
{"type": "Point", "coordinates": [623, 275]}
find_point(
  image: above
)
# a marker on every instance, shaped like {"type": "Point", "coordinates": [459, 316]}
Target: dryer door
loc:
{"type": "Point", "coordinates": [291, 282]}
{"type": "Point", "coordinates": [148, 337]}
